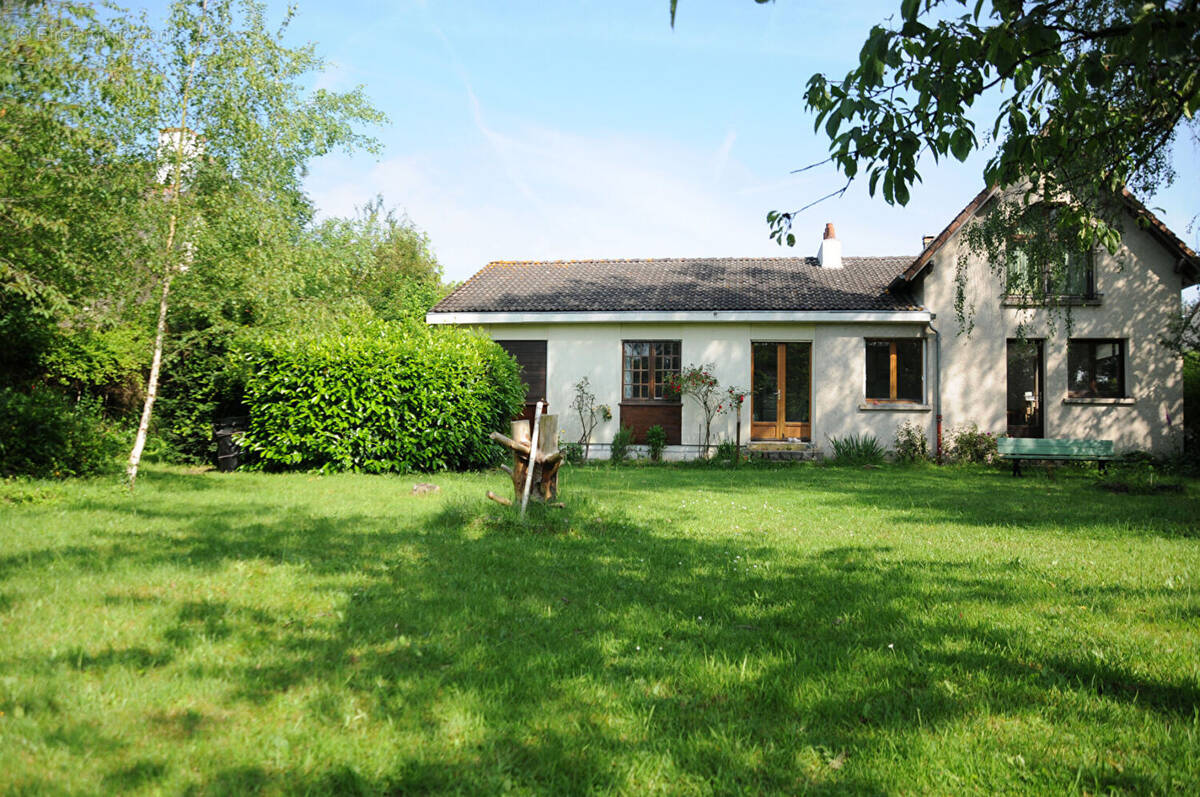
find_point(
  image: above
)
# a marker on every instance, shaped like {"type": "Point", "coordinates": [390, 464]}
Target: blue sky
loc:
{"type": "Point", "coordinates": [535, 130]}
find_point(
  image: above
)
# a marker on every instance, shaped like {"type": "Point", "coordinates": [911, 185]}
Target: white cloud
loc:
{"type": "Point", "coordinates": [536, 193]}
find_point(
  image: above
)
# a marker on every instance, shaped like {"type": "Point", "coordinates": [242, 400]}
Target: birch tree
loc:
{"type": "Point", "coordinates": [240, 129]}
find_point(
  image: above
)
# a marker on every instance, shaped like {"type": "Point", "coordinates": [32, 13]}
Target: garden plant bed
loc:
{"type": "Point", "coordinates": [770, 628]}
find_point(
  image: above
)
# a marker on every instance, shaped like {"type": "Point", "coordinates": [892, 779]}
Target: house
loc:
{"type": "Point", "coordinates": [835, 345]}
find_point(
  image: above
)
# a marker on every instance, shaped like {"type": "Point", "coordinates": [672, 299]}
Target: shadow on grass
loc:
{"type": "Point", "coordinates": [564, 653]}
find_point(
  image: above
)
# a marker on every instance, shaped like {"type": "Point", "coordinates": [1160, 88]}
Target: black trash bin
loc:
{"type": "Point", "coordinates": [227, 432]}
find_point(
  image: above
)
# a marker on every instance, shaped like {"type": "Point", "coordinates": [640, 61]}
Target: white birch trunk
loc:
{"type": "Point", "coordinates": [139, 442]}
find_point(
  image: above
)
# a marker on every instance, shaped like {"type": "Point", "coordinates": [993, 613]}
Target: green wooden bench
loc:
{"type": "Point", "coordinates": [1019, 448]}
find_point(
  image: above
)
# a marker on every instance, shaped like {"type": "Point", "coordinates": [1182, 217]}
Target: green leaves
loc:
{"type": "Point", "coordinates": [962, 141]}
{"type": "Point", "coordinates": [385, 398]}
{"type": "Point", "coordinates": [1089, 97]}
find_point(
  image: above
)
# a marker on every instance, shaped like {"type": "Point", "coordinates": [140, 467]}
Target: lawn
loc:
{"type": "Point", "coordinates": [682, 630]}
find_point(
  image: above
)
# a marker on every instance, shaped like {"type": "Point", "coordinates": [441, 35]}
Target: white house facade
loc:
{"type": "Point", "coordinates": [830, 346]}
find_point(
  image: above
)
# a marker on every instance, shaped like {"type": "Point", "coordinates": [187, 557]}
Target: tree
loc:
{"type": "Point", "coordinates": [243, 131]}
{"type": "Point", "coordinates": [590, 413]}
{"type": "Point", "coordinates": [697, 383]}
{"type": "Point", "coordinates": [1091, 97]}
{"type": "Point", "coordinates": [73, 174]}
{"type": "Point", "coordinates": [377, 259]}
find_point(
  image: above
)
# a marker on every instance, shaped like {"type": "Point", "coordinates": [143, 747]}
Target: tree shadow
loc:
{"type": "Point", "coordinates": [584, 646]}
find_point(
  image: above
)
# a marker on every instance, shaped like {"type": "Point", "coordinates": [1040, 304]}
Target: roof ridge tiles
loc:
{"type": "Point", "coordinates": [728, 259]}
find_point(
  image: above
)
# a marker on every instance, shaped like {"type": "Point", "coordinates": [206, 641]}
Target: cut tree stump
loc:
{"type": "Point", "coordinates": [545, 464]}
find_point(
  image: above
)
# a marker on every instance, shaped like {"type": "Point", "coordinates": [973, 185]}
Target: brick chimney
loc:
{"type": "Point", "coordinates": [830, 253]}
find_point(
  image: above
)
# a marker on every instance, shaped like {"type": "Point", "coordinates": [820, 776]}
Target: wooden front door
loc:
{"type": "Point", "coordinates": [781, 379]}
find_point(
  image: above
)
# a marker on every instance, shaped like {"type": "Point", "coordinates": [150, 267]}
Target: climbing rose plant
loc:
{"type": "Point", "coordinates": [697, 383]}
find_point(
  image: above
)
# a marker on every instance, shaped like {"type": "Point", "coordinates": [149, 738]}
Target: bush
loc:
{"type": "Point", "coordinates": [1191, 408]}
{"type": "Point", "coordinates": [619, 451]}
{"type": "Point", "coordinates": [728, 453]}
{"type": "Point", "coordinates": [572, 452]}
{"type": "Point", "coordinates": [857, 450]}
{"type": "Point", "coordinates": [201, 384]}
{"type": "Point", "coordinates": [968, 444]}
{"type": "Point", "coordinates": [387, 398]}
{"type": "Point", "coordinates": [911, 443]}
{"type": "Point", "coordinates": [656, 441]}
{"type": "Point", "coordinates": [46, 435]}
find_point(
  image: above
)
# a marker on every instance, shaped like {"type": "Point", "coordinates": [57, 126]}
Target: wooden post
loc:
{"type": "Point", "coordinates": [533, 451]}
{"type": "Point", "coordinates": [535, 465]}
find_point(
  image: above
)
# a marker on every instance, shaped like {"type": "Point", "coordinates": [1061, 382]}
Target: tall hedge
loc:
{"type": "Point", "coordinates": [384, 398]}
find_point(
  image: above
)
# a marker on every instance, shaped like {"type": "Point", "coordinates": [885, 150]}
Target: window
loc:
{"type": "Point", "coordinates": [894, 370]}
{"type": "Point", "coordinates": [646, 366]}
{"type": "Point", "coordinates": [531, 357]}
{"type": "Point", "coordinates": [1030, 275]}
{"type": "Point", "coordinates": [1096, 368]}
{"type": "Point", "coordinates": [1037, 265]}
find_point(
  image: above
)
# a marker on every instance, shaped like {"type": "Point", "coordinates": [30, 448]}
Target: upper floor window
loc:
{"type": "Point", "coordinates": [895, 371]}
{"type": "Point", "coordinates": [647, 366]}
{"type": "Point", "coordinates": [1039, 266]}
{"type": "Point", "coordinates": [1096, 368]}
{"type": "Point", "coordinates": [1031, 274]}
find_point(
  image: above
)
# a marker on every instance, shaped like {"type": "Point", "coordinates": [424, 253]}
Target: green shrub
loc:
{"type": "Point", "coordinates": [572, 452]}
{"type": "Point", "coordinates": [619, 451]}
{"type": "Point", "coordinates": [201, 384]}
{"type": "Point", "coordinates": [47, 435]}
{"type": "Point", "coordinates": [911, 443]}
{"type": "Point", "coordinates": [656, 441]}
{"type": "Point", "coordinates": [968, 444]}
{"type": "Point", "coordinates": [1191, 408]}
{"type": "Point", "coordinates": [728, 453]}
{"type": "Point", "coordinates": [385, 398]}
{"type": "Point", "coordinates": [856, 450]}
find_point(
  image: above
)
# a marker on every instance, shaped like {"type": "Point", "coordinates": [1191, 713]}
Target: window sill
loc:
{"type": "Point", "coordinates": [1126, 401]}
{"type": "Point", "coordinates": [893, 406]}
{"type": "Point", "coordinates": [1026, 300]}
{"type": "Point", "coordinates": [650, 403]}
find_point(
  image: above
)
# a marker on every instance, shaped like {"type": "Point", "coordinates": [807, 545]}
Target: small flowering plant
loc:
{"type": "Point", "coordinates": [698, 384]}
{"type": "Point", "coordinates": [732, 403]}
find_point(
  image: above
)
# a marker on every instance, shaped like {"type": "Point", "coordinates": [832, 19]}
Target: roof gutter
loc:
{"type": "Point", "coordinates": [685, 317]}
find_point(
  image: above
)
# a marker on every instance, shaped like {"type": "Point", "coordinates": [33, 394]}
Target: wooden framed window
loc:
{"type": "Point", "coordinates": [895, 370]}
{"type": "Point", "coordinates": [1037, 267]}
{"type": "Point", "coordinates": [1096, 368]}
{"type": "Point", "coordinates": [646, 366]}
{"type": "Point", "coordinates": [531, 357]}
{"type": "Point", "coordinates": [1028, 276]}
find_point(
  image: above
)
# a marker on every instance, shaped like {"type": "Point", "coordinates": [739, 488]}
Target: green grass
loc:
{"type": "Point", "coordinates": [683, 630]}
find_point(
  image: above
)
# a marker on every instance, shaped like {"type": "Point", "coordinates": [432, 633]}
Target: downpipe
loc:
{"type": "Point", "coordinates": [937, 382]}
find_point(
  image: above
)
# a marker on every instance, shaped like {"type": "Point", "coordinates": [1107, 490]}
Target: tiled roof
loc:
{"type": "Point", "coordinates": [735, 283]}
{"type": "Point", "coordinates": [1143, 214]}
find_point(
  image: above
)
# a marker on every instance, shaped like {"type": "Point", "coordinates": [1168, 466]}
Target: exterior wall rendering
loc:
{"type": "Point", "coordinates": [1140, 295]}
{"type": "Point", "coordinates": [838, 408]}
{"type": "Point", "coordinates": [873, 329]}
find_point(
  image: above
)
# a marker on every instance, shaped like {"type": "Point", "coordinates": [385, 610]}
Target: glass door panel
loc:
{"type": "Point", "coordinates": [1024, 394]}
{"type": "Point", "coordinates": [797, 378]}
{"type": "Point", "coordinates": [765, 394]}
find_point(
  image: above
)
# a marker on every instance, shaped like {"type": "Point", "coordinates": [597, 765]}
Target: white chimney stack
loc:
{"type": "Point", "coordinates": [830, 253]}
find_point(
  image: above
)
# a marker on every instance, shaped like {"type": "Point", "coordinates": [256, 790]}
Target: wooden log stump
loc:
{"type": "Point", "coordinates": [546, 461]}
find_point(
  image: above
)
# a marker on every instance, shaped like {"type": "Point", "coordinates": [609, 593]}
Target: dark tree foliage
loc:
{"type": "Point", "coordinates": [1092, 94]}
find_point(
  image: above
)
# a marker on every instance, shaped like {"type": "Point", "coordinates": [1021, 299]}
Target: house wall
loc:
{"type": "Point", "coordinates": [1141, 295]}
{"type": "Point", "coordinates": [574, 351]}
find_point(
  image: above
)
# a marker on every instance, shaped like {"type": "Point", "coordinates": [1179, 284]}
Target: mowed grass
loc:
{"type": "Point", "coordinates": [677, 630]}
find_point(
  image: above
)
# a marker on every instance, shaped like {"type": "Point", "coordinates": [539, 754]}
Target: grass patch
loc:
{"type": "Point", "coordinates": [675, 629]}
